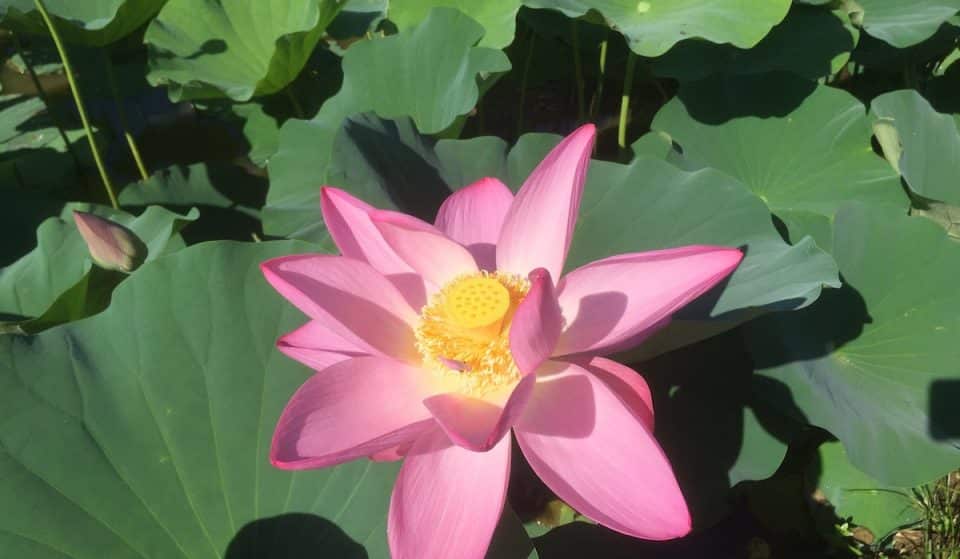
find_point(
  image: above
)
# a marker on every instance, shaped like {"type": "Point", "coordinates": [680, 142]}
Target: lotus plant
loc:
{"type": "Point", "coordinates": [432, 343]}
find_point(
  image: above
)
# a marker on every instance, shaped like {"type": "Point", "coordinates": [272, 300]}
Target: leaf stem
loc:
{"type": "Point", "coordinates": [122, 114]}
{"type": "Point", "coordinates": [598, 92]}
{"type": "Point", "coordinates": [625, 100]}
{"type": "Point", "coordinates": [578, 70]}
{"type": "Point", "coordinates": [77, 98]}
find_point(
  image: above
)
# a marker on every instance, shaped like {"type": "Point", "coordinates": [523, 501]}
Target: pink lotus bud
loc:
{"type": "Point", "coordinates": [112, 246]}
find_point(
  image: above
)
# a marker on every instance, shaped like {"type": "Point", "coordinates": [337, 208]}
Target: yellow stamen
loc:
{"type": "Point", "coordinates": [464, 332]}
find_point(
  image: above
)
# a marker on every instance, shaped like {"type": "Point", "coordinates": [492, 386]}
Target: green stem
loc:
{"type": "Point", "coordinates": [523, 81]}
{"type": "Point", "coordinates": [122, 114]}
{"type": "Point", "coordinates": [625, 100]}
{"type": "Point", "coordinates": [46, 102]}
{"type": "Point", "coordinates": [68, 70]}
{"type": "Point", "coordinates": [578, 70]}
{"type": "Point", "coordinates": [598, 93]}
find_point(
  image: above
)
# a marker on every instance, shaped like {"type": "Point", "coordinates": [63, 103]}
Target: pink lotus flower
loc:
{"type": "Point", "coordinates": [432, 342]}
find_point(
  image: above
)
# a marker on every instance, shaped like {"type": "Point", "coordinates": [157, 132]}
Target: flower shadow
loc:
{"type": "Point", "coordinates": [360, 316]}
{"type": "Point", "coordinates": [597, 315]}
{"type": "Point", "coordinates": [717, 432]}
{"type": "Point", "coordinates": [564, 392]}
{"type": "Point", "coordinates": [398, 156]}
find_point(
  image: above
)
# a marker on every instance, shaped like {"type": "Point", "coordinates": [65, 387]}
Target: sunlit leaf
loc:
{"type": "Point", "coordinates": [428, 73]}
{"type": "Point", "coordinates": [652, 27]}
{"type": "Point", "coordinates": [863, 362]}
{"type": "Point", "coordinates": [234, 48]}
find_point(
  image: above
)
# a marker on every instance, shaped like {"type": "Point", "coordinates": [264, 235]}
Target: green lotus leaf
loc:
{"type": "Point", "coordinates": [428, 73]}
{"type": "Point", "coordinates": [652, 27]}
{"type": "Point", "coordinates": [33, 153]}
{"type": "Point", "coordinates": [650, 204]}
{"type": "Point", "coordinates": [879, 55]}
{"type": "Point", "coordinates": [498, 18]}
{"type": "Point", "coordinates": [213, 184]}
{"type": "Point", "coordinates": [26, 124]}
{"type": "Point", "coordinates": [879, 507]}
{"type": "Point", "coordinates": [356, 18]}
{"type": "Point", "coordinates": [143, 431]}
{"type": "Point", "coordinates": [260, 129]}
{"type": "Point", "coordinates": [903, 24]}
{"type": "Point", "coordinates": [803, 148]}
{"type": "Point", "coordinates": [233, 48]}
{"type": "Point", "coordinates": [926, 146]}
{"type": "Point", "coordinates": [813, 42]}
{"type": "Point", "coordinates": [61, 259]}
{"type": "Point", "coordinates": [865, 361]}
{"type": "Point", "coordinates": [90, 22]}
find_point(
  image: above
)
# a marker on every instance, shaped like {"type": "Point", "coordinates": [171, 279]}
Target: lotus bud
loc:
{"type": "Point", "coordinates": [112, 246]}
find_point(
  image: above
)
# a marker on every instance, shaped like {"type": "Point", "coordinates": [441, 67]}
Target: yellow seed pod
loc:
{"type": "Point", "coordinates": [477, 304]}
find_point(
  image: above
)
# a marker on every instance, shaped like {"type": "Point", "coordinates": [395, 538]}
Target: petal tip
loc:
{"type": "Point", "coordinates": [487, 183]}
{"type": "Point", "coordinates": [586, 135]}
{"type": "Point", "coordinates": [283, 342]}
{"type": "Point", "coordinates": [331, 192]}
{"type": "Point", "coordinates": [275, 460]}
{"type": "Point", "coordinates": [587, 129]}
{"type": "Point", "coordinates": [539, 275]}
{"type": "Point", "coordinates": [269, 269]}
{"type": "Point", "coordinates": [328, 197]}
{"type": "Point", "coordinates": [386, 220]}
{"type": "Point", "coordinates": [274, 266]}
{"type": "Point", "coordinates": [682, 527]}
{"type": "Point", "coordinates": [734, 257]}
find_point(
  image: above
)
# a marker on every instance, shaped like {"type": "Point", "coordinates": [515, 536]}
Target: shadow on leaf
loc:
{"type": "Point", "coordinates": [293, 535]}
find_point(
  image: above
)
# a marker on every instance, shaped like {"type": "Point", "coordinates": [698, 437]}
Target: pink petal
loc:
{"type": "Point", "coordinates": [348, 221]}
{"type": "Point", "coordinates": [631, 342]}
{"type": "Point", "coordinates": [354, 408]}
{"type": "Point", "coordinates": [391, 454]}
{"type": "Point", "coordinates": [447, 500]}
{"type": "Point", "coordinates": [610, 300]}
{"type": "Point", "coordinates": [477, 424]}
{"type": "Point", "coordinates": [473, 216]}
{"type": "Point", "coordinates": [425, 248]}
{"type": "Point", "coordinates": [539, 226]}
{"type": "Point", "coordinates": [536, 324]}
{"type": "Point", "coordinates": [591, 450]}
{"type": "Point", "coordinates": [314, 345]}
{"type": "Point", "coordinates": [348, 297]}
{"type": "Point", "coordinates": [627, 384]}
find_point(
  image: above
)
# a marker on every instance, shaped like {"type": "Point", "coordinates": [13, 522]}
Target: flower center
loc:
{"type": "Point", "coordinates": [477, 305]}
{"type": "Point", "coordinates": [464, 331]}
